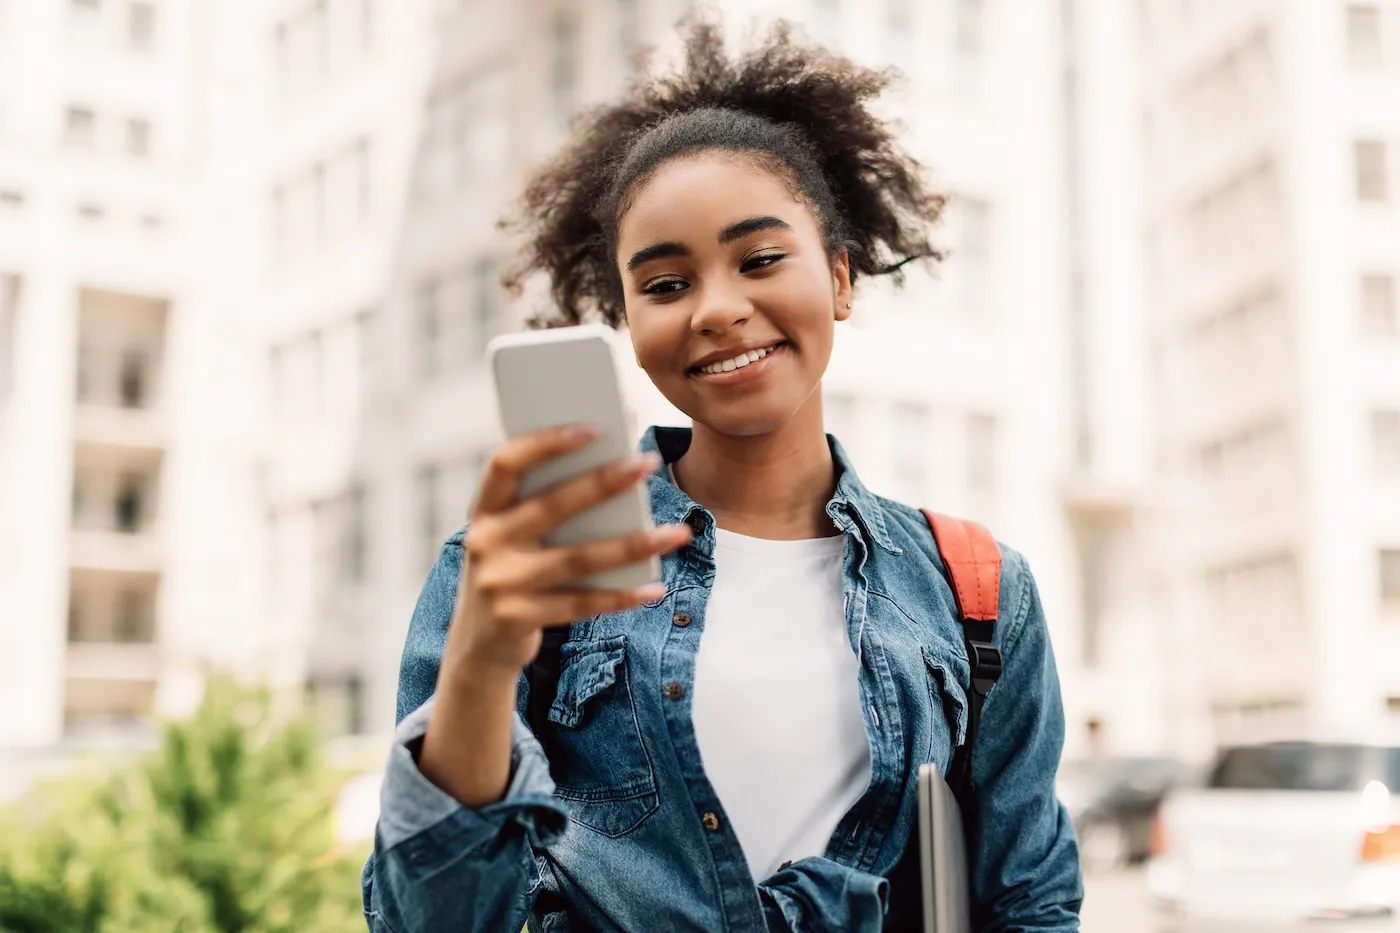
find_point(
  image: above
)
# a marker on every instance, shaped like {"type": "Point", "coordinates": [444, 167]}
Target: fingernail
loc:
{"type": "Point", "coordinates": [640, 465]}
{"type": "Point", "coordinates": [666, 533]}
{"type": "Point", "coordinates": [651, 591]}
{"type": "Point", "coordinates": [581, 432]}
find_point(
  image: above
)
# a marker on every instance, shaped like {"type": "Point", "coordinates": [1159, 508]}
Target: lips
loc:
{"type": "Point", "coordinates": [727, 361]}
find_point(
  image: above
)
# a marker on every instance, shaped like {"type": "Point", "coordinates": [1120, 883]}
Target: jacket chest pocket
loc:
{"type": "Point", "coordinates": [948, 708]}
{"type": "Point", "coordinates": [601, 769]}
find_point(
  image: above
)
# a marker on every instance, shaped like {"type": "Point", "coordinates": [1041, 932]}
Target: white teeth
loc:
{"type": "Point", "coordinates": [739, 362]}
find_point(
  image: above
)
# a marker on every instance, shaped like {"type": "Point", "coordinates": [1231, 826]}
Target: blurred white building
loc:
{"type": "Point", "coordinates": [123, 546]}
{"type": "Point", "coordinates": [249, 264]}
{"type": "Point", "coordinates": [1272, 232]}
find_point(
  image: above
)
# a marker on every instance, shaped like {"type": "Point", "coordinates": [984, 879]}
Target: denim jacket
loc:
{"type": "Point", "coordinates": [619, 829]}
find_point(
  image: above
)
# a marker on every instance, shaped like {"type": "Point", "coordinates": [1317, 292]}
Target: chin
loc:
{"type": "Point", "coordinates": [742, 422]}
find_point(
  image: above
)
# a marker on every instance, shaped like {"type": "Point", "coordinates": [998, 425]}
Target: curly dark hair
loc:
{"type": "Point", "coordinates": [795, 109]}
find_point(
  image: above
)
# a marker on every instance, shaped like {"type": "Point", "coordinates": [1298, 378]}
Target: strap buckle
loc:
{"type": "Point", "coordinates": [985, 661]}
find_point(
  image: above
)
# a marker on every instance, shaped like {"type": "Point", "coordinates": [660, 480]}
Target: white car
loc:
{"type": "Point", "coordinates": [1283, 833]}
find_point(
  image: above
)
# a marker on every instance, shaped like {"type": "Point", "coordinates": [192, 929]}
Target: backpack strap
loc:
{"type": "Point", "coordinates": [542, 674]}
{"type": "Point", "coordinates": [973, 559]}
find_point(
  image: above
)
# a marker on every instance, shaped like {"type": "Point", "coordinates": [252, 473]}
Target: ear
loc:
{"type": "Point", "coordinates": [841, 283]}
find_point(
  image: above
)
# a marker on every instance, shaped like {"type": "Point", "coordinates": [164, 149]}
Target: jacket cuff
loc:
{"type": "Point", "coordinates": [415, 811]}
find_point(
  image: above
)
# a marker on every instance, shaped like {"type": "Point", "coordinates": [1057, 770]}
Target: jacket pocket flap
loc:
{"type": "Point", "coordinates": [584, 672]}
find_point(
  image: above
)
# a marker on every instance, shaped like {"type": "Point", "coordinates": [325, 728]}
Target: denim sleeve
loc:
{"type": "Point", "coordinates": [439, 867]}
{"type": "Point", "coordinates": [1025, 861]}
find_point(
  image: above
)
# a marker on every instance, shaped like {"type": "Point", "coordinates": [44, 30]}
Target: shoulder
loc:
{"type": "Point", "coordinates": [910, 533]}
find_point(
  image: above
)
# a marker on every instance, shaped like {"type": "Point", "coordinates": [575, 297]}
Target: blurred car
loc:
{"type": "Point", "coordinates": [1113, 803]}
{"type": "Point", "coordinates": [1284, 832]}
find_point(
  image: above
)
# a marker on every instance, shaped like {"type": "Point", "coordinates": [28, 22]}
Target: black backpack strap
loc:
{"type": "Point", "coordinates": [973, 560]}
{"type": "Point", "coordinates": [542, 674]}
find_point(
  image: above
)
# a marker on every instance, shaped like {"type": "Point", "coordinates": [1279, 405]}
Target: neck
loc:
{"type": "Point", "coordinates": [773, 485]}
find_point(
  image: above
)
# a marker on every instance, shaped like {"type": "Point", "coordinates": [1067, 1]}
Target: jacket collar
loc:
{"type": "Point", "coordinates": [851, 503]}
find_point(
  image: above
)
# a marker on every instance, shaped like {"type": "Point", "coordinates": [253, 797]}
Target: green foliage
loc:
{"type": "Point", "coordinates": [227, 828]}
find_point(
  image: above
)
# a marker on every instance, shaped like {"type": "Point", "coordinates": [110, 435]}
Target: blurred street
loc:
{"type": "Point", "coordinates": [1116, 903]}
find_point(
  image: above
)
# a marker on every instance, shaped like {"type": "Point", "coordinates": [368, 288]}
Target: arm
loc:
{"type": "Point", "coordinates": [1025, 863]}
{"type": "Point", "coordinates": [438, 865]}
{"type": "Point", "coordinates": [467, 792]}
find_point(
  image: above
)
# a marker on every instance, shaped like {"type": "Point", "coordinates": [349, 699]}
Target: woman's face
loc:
{"type": "Point", "coordinates": [722, 264]}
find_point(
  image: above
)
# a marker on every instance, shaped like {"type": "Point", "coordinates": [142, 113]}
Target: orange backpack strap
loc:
{"type": "Point", "coordinates": [973, 559]}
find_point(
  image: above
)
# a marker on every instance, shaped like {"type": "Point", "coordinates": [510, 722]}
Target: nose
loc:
{"type": "Point", "coordinates": [721, 306]}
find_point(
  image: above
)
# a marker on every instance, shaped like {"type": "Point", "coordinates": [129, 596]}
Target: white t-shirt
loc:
{"type": "Point", "coordinates": [776, 703]}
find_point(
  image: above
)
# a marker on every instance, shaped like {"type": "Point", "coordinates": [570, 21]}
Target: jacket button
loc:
{"type": "Point", "coordinates": [681, 619]}
{"type": "Point", "coordinates": [673, 691]}
{"type": "Point", "coordinates": [710, 821]}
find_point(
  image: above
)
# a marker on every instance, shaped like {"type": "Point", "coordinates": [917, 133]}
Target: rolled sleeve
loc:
{"type": "Point", "coordinates": [1025, 865]}
{"type": "Point", "coordinates": [413, 807]}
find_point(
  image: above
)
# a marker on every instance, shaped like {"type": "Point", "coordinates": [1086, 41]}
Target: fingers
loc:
{"type": "Point", "coordinates": [523, 571]}
{"type": "Point", "coordinates": [540, 514]}
{"type": "Point", "coordinates": [536, 610]}
{"type": "Point", "coordinates": [501, 484]}
{"type": "Point", "coordinates": [554, 567]}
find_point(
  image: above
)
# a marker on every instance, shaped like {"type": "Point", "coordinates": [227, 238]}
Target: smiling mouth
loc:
{"type": "Point", "coordinates": [737, 362]}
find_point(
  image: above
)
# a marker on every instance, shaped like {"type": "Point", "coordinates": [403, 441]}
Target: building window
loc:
{"type": "Point", "coordinates": [9, 317]}
{"type": "Point", "coordinates": [981, 452]}
{"type": "Point", "coordinates": [133, 619]}
{"type": "Point", "coordinates": [485, 303]}
{"type": "Point", "coordinates": [839, 412]}
{"type": "Point", "coordinates": [564, 85]}
{"type": "Point", "coordinates": [141, 26]}
{"type": "Point", "coordinates": [133, 383]}
{"type": "Point", "coordinates": [80, 129]}
{"type": "Point", "coordinates": [337, 705]}
{"type": "Point", "coordinates": [826, 15]}
{"type": "Point", "coordinates": [912, 426]}
{"type": "Point", "coordinates": [429, 327]}
{"type": "Point", "coordinates": [319, 226]}
{"type": "Point", "coordinates": [1364, 36]}
{"type": "Point", "coordinates": [364, 180]}
{"type": "Point", "coordinates": [629, 29]}
{"type": "Point", "coordinates": [973, 255]}
{"type": "Point", "coordinates": [77, 630]}
{"type": "Point", "coordinates": [82, 374]}
{"type": "Point", "coordinates": [79, 497]}
{"type": "Point", "coordinates": [968, 26]}
{"type": "Point", "coordinates": [138, 138]}
{"type": "Point", "coordinates": [428, 509]}
{"type": "Point", "coordinates": [1378, 307]}
{"type": "Point", "coordinates": [1385, 443]}
{"type": "Point", "coordinates": [356, 535]}
{"type": "Point", "coordinates": [282, 52]}
{"type": "Point", "coordinates": [899, 17]}
{"type": "Point", "coordinates": [129, 505]}
{"type": "Point", "coordinates": [367, 25]}
{"type": "Point", "coordinates": [1371, 183]}
{"type": "Point", "coordinates": [1390, 581]}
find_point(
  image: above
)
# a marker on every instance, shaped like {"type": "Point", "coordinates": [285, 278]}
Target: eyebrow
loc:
{"type": "Point", "coordinates": [743, 228]}
{"type": "Point", "coordinates": [735, 231]}
{"type": "Point", "coordinates": [656, 251]}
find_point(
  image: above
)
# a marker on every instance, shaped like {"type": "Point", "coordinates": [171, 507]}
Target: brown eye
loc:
{"type": "Point", "coordinates": [665, 287]}
{"type": "Point", "coordinates": [760, 261]}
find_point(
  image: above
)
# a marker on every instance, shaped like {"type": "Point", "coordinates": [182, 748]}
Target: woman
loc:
{"type": "Point", "coordinates": [735, 748]}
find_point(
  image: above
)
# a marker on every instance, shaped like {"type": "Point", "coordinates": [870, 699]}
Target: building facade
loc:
{"type": "Point", "coordinates": [121, 540]}
{"type": "Point", "coordinates": [1272, 231]}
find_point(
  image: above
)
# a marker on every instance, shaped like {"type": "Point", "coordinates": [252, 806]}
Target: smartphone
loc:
{"type": "Point", "coordinates": [568, 375]}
